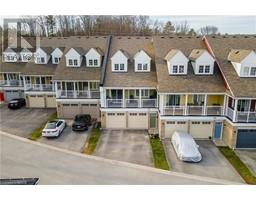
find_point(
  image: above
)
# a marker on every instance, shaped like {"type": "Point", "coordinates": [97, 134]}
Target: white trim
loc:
{"type": "Point", "coordinates": [202, 118]}
{"type": "Point", "coordinates": [78, 100]}
{"type": "Point", "coordinates": [129, 88]}
{"type": "Point", "coordinates": [40, 92]}
{"type": "Point", "coordinates": [129, 109]}
{"type": "Point", "coordinates": [184, 93]}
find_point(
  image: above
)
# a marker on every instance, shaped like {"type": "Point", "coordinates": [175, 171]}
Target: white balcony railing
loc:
{"type": "Point", "coordinates": [81, 94]}
{"type": "Point", "coordinates": [11, 83]}
{"type": "Point", "coordinates": [230, 113]}
{"type": "Point", "coordinates": [131, 103]}
{"type": "Point", "coordinates": [245, 116]}
{"type": "Point", "coordinates": [39, 87]}
{"type": "Point", "coordinates": [195, 110]}
{"type": "Point", "coordinates": [214, 110]}
{"type": "Point", "coordinates": [174, 110]}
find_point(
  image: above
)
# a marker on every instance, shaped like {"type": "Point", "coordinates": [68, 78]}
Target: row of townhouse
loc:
{"type": "Point", "coordinates": [202, 85]}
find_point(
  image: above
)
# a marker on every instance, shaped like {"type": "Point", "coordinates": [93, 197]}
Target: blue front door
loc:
{"type": "Point", "coordinates": [218, 130]}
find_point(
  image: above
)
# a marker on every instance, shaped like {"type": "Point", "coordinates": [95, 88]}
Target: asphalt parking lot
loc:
{"type": "Point", "coordinates": [22, 121]}
{"type": "Point", "coordinates": [125, 145]}
{"type": "Point", "coordinates": [249, 158]}
{"type": "Point", "coordinates": [213, 164]}
{"type": "Point", "coordinates": [68, 139]}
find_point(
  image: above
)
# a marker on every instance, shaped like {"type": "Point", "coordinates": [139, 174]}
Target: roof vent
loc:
{"type": "Point", "coordinates": [119, 37]}
{"type": "Point", "coordinates": [234, 36]}
{"type": "Point", "coordinates": [78, 37]}
{"type": "Point", "coordinates": [246, 36]}
{"type": "Point", "coordinates": [171, 37]}
{"type": "Point", "coordinates": [213, 36]}
{"type": "Point", "coordinates": [65, 38]}
{"type": "Point", "coordinates": [104, 37]}
{"type": "Point", "coordinates": [137, 37]}
{"type": "Point", "coordinates": [162, 36]}
{"type": "Point", "coordinates": [96, 36]}
{"type": "Point", "coordinates": [197, 36]}
{"type": "Point", "coordinates": [146, 37]}
{"type": "Point", "coordinates": [129, 37]}
{"type": "Point", "coordinates": [236, 52]}
{"type": "Point", "coordinates": [180, 37]}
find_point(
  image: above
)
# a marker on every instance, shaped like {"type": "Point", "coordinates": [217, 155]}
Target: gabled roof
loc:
{"type": "Point", "coordinates": [60, 48]}
{"type": "Point", "coordinates": [196, 53]}
{"type": "Point", "coordinates": [26, 50]}
{"type": "Point", "coordinates": [79, 50]}
{"type": "Point", "coordinates": [221, 46]}
{"type": "Point", "coordinates": [238, 55]}
{"type": "Point", "coordinates": [126, 54]}
{"type": "Point", "coordinates": [99, 51]}
{"type": "Point", "coordinates": [47, 50]}
{"type": "Point", "coordinates": [9, 50]}
{"type": "Point", "coordinates": [172, 53]}
{"type": "Point", "coordinates": [141, 51]}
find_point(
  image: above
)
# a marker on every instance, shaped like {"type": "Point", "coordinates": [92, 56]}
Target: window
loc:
{"type": "Point", "coordinates": [133, 114]}
{"type": "Point", "coordinates": [253, 71]}
{"type": "Point", "coordinates": [111, 114]}
{"type": "Point", "coordinates": [42, 60]}
{"type": "Point", "coordinates": [56, 60]}
{"type": "Point", "coordinates": [175, 69]}
{"type": "Point", "coordinates": [116, 67]}
{"type": "Point", "coordinates": [207, 69]}
{"type": "Point", "coordinates": [94, 85]}
{"type": "Point", "coordinates": [201, 69]}
{"type": "Point", "coordinates": [153, 120]}
{"type": "Point", "coordinates": [95, 62]}
{"type": "Point", "coordinates": [195, 122]}
{"type": "Point", "coordinates": [173, 100]}
{"type": "Point", "coordinates": [120, 114]}
{"type": "Point", "coordinates": [144, 93]}
{"type": "Point", "coordinates": [142, 114]}
{"type": "Point", "coordinates": [180, 122]}
{"type": "Point", "coordinates": [90, 62]}
{"type": "Point", "coordinates": [206, 122]}
{"type": "Point", "coordinates": [170, 122]}
{"type": "Point", "coordinates": [181, 69]}
{"type": "Point", "coordinates": [145, 66]}
{"type": "Point", "coordinates": [121, 67]}
{"type": "Point", "coordinates": [70, 62]}
{"type": "Point", "coordinates": [139, 67]}
{"type": "Point", "coordinates": [75, 63]}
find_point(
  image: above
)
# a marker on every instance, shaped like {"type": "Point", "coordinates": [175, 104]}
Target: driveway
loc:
{"type": "Point", "coordinates": [22, 121]}
{"type": "Point", "coordinates": [213, 164]}
{"type": "Point", "coordinates": [249, 158]}
{"type": "Point", "coordinates": [68, 139]}
{"type": "Point", "coordinates": [125, 145]}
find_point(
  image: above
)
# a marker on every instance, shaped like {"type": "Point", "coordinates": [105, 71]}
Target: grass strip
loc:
{"type": "Point", "coordinates": [94, 137]}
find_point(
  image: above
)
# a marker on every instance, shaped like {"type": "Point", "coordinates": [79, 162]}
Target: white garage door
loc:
{"type": "Point", "coordinates": [50, 101]}
{"type": "Point", "coordinates": [116, 120]}
{"type": "Point", "coordinates": [201, 130]}
{"type": "Point", "coordinates": [36, 101]}
{"type": "Point", "coordinates": [172, 126]}
{"type": "Point", "coordinates": [70, 110]}
{"type": "Point", "coordinates": [138, 120]}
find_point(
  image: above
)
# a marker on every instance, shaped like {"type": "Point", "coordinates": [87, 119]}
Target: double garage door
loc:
{"type": "Point", "coordinates": [246, 138]}
{"type": "Point", "coordinates": [198, 129]}
{"type": "Point", "coordinates": [69, 110]}
{"type": "Point", "coordinates": [123, 120]}
{"type": "Point", "coordinates": [41, 101]}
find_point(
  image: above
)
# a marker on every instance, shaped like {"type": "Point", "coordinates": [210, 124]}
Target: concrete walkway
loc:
{"type": "Point", "coordinates": [24, 158]}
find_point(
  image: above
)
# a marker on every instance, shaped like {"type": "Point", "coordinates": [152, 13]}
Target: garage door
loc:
{"type": "Point", "coordinates": [91, 109]}
{"type": "Point", "coordinates": [246, 138]}
{"type": "Point", "coordinates": [172, 126]}
{"type": "Point", "coordinates": [36, 101]}
{"type": "Point", "coordinates": [116, 120]}
{"type": "Point", "coordinates": [138, 120]}
{"type": "Point", "coordinates": [70, 110]}
{"type": "Point", "coordinates": [50, 101]}
{"type": "Point", "coordinates": [12, 94]}
{"type": "Point", "coordinates": [201, 130]}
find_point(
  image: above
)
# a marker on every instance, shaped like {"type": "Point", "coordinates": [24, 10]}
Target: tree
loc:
{"type": "Point", "coordinates": [50, 24]}
{"type": "Point", "coordinates": [182, 28]}
{"type": "Point", "coordinates": [168, 28]}
{"type": "Point", "coordinates": [208, 30]}
{"type": "Point", "coordinates": [192, 32]}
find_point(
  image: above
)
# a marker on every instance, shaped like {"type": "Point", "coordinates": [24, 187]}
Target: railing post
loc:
{"type": "Point", "coordinates": [248, 116]}
{"type": "Point", "coordinates": [123, 93]}
{"type": "Point", "coordinates": [235, 111]}
{"type": "Point", "coordinates": [186, 105]}
{"type": "Point", "coordinates": [205, 105]}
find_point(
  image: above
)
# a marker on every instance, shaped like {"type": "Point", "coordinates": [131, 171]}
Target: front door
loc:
{"type": "Point", "coordinates": [218, 130]}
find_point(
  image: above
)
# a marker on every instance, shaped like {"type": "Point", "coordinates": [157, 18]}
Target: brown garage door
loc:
{"type": "Point", "coordinates": [69, 110]}
{"type": "Point", "coordinates": [91, 109]}
{"type": "Point", "coordinates": [50, 101]}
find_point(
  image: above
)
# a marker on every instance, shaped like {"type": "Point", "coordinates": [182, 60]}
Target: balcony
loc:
{"type": "Point", "coordinates": [71, 94]}
{"type": "Point", "coordinates": [11, 83]}
{"type": "Point", "coordinates": [39, 87]}
{"type": "Point", "coordinates": [193, 110]}
{"type": "Point", "coordinates": [131, 103]}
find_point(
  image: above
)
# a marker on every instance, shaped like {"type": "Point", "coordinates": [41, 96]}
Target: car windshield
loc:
{"type": "Point", "coordinates": [14, 101]}
{"type": "Point", "coordinates": [50, 126]}
{"type": "Point", "coordinates": [78, 119]}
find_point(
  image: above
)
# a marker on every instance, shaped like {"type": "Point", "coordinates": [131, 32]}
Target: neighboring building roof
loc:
{"type": "Point", "coordinates": [189, 83]}
{"type": "Point", "coordinates": [11, 67]}
{"type": "Point", "coordinates": [80, 73]}
{"type": "Point", "coordinates": [131, 45]}
{"type": "Point", "coordinates": [196, 53]}
{"type": "Point", "coordinates": [238, 55]}
{"type": "Point", "coordinates": [221, 46]}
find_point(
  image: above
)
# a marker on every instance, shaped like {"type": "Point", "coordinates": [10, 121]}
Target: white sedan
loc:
{"type": "Point", "coordinates": [186, 147]}
{"type": "Point", "coordinates": [54, 128]}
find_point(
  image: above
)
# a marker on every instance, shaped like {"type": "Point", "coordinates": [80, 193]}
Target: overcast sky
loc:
{"type": "Point", "coordinates": [226, 24]}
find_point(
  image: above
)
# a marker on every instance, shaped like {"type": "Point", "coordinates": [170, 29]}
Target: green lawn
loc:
{"type": "Point", "coordinates": [240, 167]}
{"type": "Point", "coordinates": [94, 137]}
{"type": "Point", "coordinates": [159, 154]}
{"type": "Point", "coordinates": [38, 131]}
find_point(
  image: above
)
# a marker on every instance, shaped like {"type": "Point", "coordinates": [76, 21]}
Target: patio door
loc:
{"type": "Point", "coordinates": [253, 106]}
{"type": "Point", "coordinates": [70, 86]}
{"type": "Point", "coordinates": [218, 130]}
{"type": "Point", "coordinates": [173, 100]}
{"type": "Point", "coordinates": [117, 94]}
{"type": "Point", "coordinates": [243, 105]}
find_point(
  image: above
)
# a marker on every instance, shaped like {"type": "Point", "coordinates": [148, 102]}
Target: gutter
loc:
{"type": "Point", "coordinates": [105, 61]}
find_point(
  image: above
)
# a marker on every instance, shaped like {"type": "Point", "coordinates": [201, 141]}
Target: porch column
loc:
{"type": "Point", "coordinates": [24, 82]}
{"type": "Point", "coordinates": [161, 104]}
{"type": "Point", "coordinates": [205, 105]}
{"type": "Point", "coordinates": [235, 110]}
{"type": "Point", "coordinates": [186, 105]}
{"type": "Point", "coordinates": [8, 79]}
{"type": "Point", "coordinates": [89, 89]}
{"type": "Point", "coordinates": [225, 106]}
{"type": "Point", "coordinates": [56, 89]}
{"type": "Point", "coordinates": [74, 95]}
{"type": "Point", "coordinates": [140, 101]}
{"type": "Point", "coordinates": [249, 110]}
{"type": "Point", "coordinates": [20, 80]}
{"type": "Point", "coordinates": [102, 97]}
{"type": "Point", "coordinates": [123, 95]}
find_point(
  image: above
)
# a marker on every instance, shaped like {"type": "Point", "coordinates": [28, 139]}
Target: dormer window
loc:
{"type": "Point", "coordinates": [74, 57]}
{"type": "Point", "coordinates": [244, 62]}
{"type": "Point", "coordinates": [177, 62]}
{"type": "Point", "coordinates": [142, 62]}
{"type": "Point", "coordinates": [178, 69]}
{"type": "Point", "coordinates": [93, 57]}
{"type": "Point", "coordinates": [119, 61]}
{"type": "Point", "coordinates": [40, 60]}
{"type": "Point", "coordinates": [42, 55]}
{"type": "Point", "coordinates": [56, 60]}
{"type": "Point", "coordinates": [10, 55]}
{"type": "Point", "coordinates": [142, 67]}
{"type": "Point", "coordinates": [93, 63]}
{"type": "Point", "coordinates": [119, 67]}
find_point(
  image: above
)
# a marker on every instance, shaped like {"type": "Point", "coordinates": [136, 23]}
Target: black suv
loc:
{"type": "Point", "coordinates": [16, 103]}
{"type": "Point", "coordinates": [81, 122]}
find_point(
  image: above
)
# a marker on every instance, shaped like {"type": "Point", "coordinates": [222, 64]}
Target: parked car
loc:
{"type": "Point", "coordinates": [16, 103]}
{"type": "Point", "coordinates": [186, 147]}
{"type": "Point", "coordinates": [54, 128]}
{"type": "Point", "coordinates": [81, 122]}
